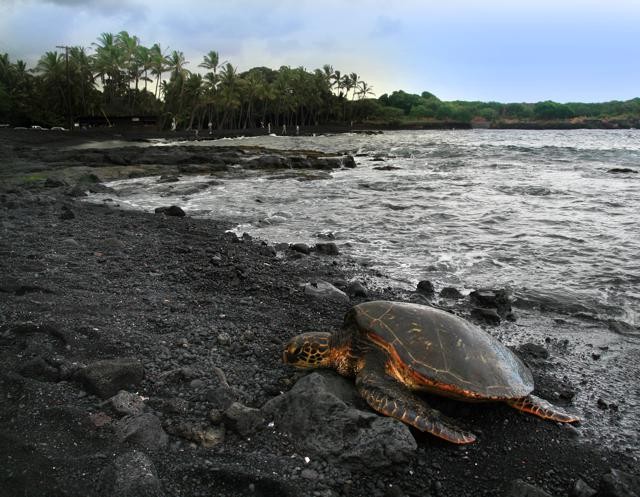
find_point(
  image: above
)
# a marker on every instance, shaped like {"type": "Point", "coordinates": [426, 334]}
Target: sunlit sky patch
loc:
{"type": "Point", "coordinates": [507, 51]}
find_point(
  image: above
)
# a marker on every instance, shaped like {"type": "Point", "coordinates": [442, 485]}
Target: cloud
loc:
{"type": "Point", "coordinates": [495, 49]}
{"type": "Point", "coordinates": [386, 26]}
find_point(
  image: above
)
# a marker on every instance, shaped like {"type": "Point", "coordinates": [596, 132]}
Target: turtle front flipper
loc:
{"type": "Point", "coordinates": [543, 409]}
{"type": "Point", "coordinates": [388, 397]}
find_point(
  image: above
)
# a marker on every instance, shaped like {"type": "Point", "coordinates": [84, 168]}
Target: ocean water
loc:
{"type": "Point", "coordinates": [537, 212]}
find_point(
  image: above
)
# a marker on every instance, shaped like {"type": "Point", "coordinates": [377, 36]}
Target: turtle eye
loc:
{"type": "Point", "coordinates": [294, 350]}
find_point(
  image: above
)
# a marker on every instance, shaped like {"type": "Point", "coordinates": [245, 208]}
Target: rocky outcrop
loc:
{"type": "Point", "coordinates": [106, 378]}
{"type": "Point", "coordinates": [319, 416]}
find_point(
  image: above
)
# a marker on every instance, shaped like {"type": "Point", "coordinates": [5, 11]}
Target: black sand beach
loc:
{"type": "Point", "coordinates": [190, 321]}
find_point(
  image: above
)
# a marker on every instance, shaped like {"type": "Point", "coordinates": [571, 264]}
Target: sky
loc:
{"type": "Point", "coordinates": [489, 50]}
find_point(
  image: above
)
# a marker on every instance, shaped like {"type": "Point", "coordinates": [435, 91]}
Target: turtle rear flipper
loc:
{"type": "Point", "coordinates": [543, 409]}
{"type": "Point", "coordinates": [388, 397]}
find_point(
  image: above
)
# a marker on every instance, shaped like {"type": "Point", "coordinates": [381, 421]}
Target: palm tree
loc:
{"type": "Point", "coordinates": [82, 75]}
{"type": "Point", "coordinates": [254, 89]}
{"type": "Point", "coordinates": [228, 92]}
{"type": "Point", "coordinates": [5, 66]}
{"type": "Point", "coordinates": [175, 89]}
{"type": "Point", "coordinates": [108, 62]}
{"type": "Point", "coordinates": [51, 68]}
{"type": "Point", "coordinates": [353, 80]}
{"type": "Point", "coordinates": [337, 81]}
{"type": "Point", "coordinates": [211, 61]}
{"type": "Point", "coordinates": [129, 46]}
{"type": "Point", "coordinates": [143, 62]}
{"type": "Point", "coordinates": [364, 89]}
{"type": "Point", "coordinates": [193, 92]}
{"type": "Point", "coordinates": [157, 64]}
{"type": "Point", "coordinates": [176, 63]}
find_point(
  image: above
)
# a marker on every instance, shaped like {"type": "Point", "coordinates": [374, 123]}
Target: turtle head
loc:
{"type": "Point", "coordinates": [309, 350]}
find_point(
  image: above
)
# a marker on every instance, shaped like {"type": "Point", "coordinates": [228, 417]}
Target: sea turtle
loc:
{"type": "Point", "coordinates": [395, 348]}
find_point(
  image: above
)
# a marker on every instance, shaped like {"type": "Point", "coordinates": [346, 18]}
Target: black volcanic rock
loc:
{"type": "Point", "coordinates": [172, 210]}
{"type": "Point", "coordinates": [106, 378]}
{"type": "Point", "coordinates": [425, 287]}
{"type": "Point", "coordinates": [317, 414]}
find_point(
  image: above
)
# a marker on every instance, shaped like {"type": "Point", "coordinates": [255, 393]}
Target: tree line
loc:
{"type": "Point", "coordinates": [119, 76]}
{"type": "Point", "coordinates": [404, 106]}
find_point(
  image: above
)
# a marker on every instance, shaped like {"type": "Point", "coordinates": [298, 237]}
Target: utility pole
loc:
{"type": "Point", "coordinates": [66, 58]}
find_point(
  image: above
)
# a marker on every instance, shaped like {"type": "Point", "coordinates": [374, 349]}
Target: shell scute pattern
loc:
{"type": "Point", "coordinates": [442, 349]}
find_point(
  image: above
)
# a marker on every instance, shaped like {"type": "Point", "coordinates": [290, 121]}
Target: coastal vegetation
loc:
{"type": "Point", "coordinates": [118, 76]}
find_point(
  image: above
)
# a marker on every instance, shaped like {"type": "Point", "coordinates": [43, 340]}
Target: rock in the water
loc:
{"type": "Point", "coordinates": [622, 170]}
{"type": "Point", "coordinates": [134, 475]}
{"type": "Point", "coordinates": [303, 248]}
{"type": "Point", "coordinates": [106, 378]}
{"type": "Point", "coordinates": [450, 293]}
{"type": "Point", "coordinates": [317, 415]}
{"type": "Point", "coordinates": [327, 248]}
{"type": "Point", "coordinates": [323, 290]}
{"type": "Point", "coordinates": [493, 299]}
{"type": "Point", "coordinates": [520, 488]}
{"type": "Point", "coordinates": [101, 188]}
{"type": "Point", "coordinates": [172, 210]}
{"type": "Point", "coordinates": [348, 161]}
{"type": "Point", "coordinates": [242, 419]}
{"type": "Point", "coordinates": [425, 287]}
{"type": "Point", "coordinates": [617, 483]}
{"type": "Point", "coordinates": [143, 431]}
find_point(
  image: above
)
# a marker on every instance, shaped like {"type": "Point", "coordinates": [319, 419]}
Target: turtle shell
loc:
{"type": "Point", "coordinates": [438, 351]}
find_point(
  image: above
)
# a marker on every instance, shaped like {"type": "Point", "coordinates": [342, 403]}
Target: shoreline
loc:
{"type": "Point", "coordinates": [183, 300]}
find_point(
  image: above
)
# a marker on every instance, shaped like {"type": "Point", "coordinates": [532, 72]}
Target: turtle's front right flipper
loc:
{"type": "Point", "coordinates": [388, 397]}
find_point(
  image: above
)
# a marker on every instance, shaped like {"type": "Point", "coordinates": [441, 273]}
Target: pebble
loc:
{"type": "Point", "coordinates": [134, 475]}
{"type": "Point", "coordinates": [127, 403]}
{"type": "Point", "coordinates": [581, 489]}
{"type": "Point", "coordinates": [66, 214]}
{"type": "Point", "coordinates": [356, 289]}
{"type": "Point", "coordinates": [197, 384]}
{"type": "Point", "coordinates": [323, 290]}
{"type": "Point", "coordinates": [144, 431]}
{"type": "Point", "coordinates": [309, 474]}
{"type": "Point", "coordinates": [242, 419]}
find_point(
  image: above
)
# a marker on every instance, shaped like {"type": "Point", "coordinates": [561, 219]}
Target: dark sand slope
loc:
{"type": "Point", "coordinates": [190, 321]}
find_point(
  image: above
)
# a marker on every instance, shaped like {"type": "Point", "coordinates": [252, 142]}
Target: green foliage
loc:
{"type": "Point", "coordinates": [551, 110]}
{"type": "Point", "coordinates": [119, 76]}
